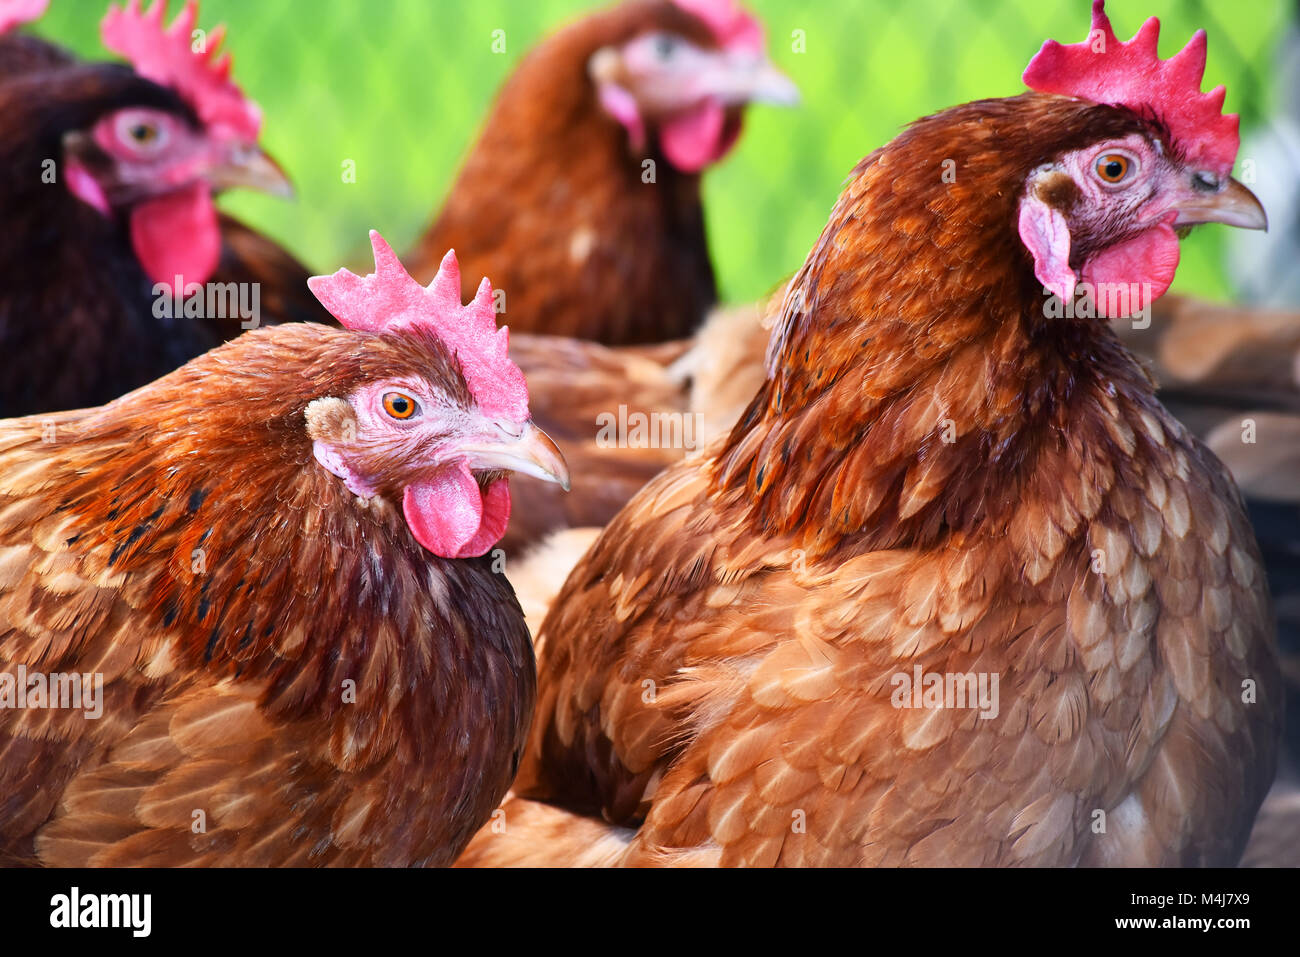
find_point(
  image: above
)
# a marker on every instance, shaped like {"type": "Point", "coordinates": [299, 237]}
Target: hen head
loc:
{"type": "Point", "coordinates": [1106, 214]}
{"type": "Point", "coordinates": [159, 166]}
{"type": "Point", "coordinates": [923, 300]}
{"type": "Point", "coordinates": [439, 414]}
{"type": "Point", "coordinates": [683, 77]}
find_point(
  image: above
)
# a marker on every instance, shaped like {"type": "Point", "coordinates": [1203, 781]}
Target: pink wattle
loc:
{"type": "Point", "coordinates": [621, 105]}
{"type": "Point", "coordinates": [451, 517]}
{"type": "Point", "coordinates": [1045, 234]}
{"type": "Point", "coordinates": [177, 235]}
{"type": "Point", "coordinates": [86, 188]}
{"type": "Point", "coordinates": [694, 139]}
{"type": "Point", "coordinates": [1134, 273]}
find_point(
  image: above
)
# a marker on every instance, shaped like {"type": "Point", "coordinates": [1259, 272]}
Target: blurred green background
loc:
{"type": "Point", "coordinates": [401, 86]}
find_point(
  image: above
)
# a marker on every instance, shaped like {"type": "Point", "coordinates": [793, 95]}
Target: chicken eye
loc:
{"type": "Point", "coordinates": [140, 133]}
{"type": "Point", "coordinates": [665, 46]}
{"type": "Point", "coordinates": [400, 405]}
{"type": "Point", "coordinates": [1113, 167]}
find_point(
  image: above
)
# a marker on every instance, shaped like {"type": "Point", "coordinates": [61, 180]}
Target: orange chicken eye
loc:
{"type": "Point", "coordinates": [400, 405]}
{"type": "Point", "coordinates": [1113, 167]}
{"type": "Point", "coordinates": [140, 132]}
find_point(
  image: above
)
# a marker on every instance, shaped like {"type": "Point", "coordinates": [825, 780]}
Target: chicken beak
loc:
{"type": "Point", "coordinates": [742, 77]}
{"type": "Point", "coordinates": [767, 84]}
{"type": "Point", "coordinates": [1232, 205]}
{"type": "Point", "coordinates": [529, 453]}
{"type": "Point", "coordinates": [247, 166]}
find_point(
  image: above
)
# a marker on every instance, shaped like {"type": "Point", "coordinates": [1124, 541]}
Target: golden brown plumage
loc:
{"type": "Point", "coordinates": [288, 677]}
{"type": "Point", "coordinates": [571, 384]}
{"type": "Point", "coordinates": [935, 475]}
{"type": "Point", "coordinates": [703, 383]}
{"type": "Point", "coordinates": [1231, 374]}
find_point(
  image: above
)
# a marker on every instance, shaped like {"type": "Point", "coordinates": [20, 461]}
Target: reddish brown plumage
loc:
{"type": "Point", "coordinates": [693, 388]}
{"type": "Point", "coordinates": [934, 475]}
{"type": "Point", "coordinates": [571, 383]}
{"type": "Point", "coordinates": [184, 542]}
{"type": "Point", "coordinates": [551, 201]}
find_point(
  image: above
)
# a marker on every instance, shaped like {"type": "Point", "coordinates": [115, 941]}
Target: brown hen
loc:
{"type": "Point", "coordinates": [256, 584]}
{"type": "Point", "coordinates": [581, 197]}
{"type": "Point", "coordinates": [140, 152]}
{"type": "Point", "coordinates": [941, 479]}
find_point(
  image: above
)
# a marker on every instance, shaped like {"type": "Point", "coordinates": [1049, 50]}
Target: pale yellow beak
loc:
{"type": "Point", "coordinates": [1232, 205]}
{"type": "Point", "coordinates": [247, 166]}
{"type": "Point", "coordinates": [530, 453]}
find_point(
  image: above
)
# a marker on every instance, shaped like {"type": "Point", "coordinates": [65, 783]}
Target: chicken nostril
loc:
{"type": "Point", "coordinates": [1205, 182]}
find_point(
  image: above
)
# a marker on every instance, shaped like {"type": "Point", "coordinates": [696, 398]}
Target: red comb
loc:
{"type": "Point", "coordinates": [734, 27]}
{"type": "Point", "coordinates": [1131, 74]}
{"type": "Point", "coordinates": [389, 300]}
{"type": "Point", "coordinates": [166, 56]}
{"type": "Point", "coordinates": [16, 12]}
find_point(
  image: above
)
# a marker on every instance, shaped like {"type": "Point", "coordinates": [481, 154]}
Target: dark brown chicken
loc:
{"type": "Point", "coordinates": [21, 52]}
{"type": "Point", "coordinates": [957, 589]}
{"type": "Point", "coordinates": [108, 177]}
{"type": "Point", "coordinates": [256, 585]}
{"type": "Point", "coordinates": [581, 197]}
